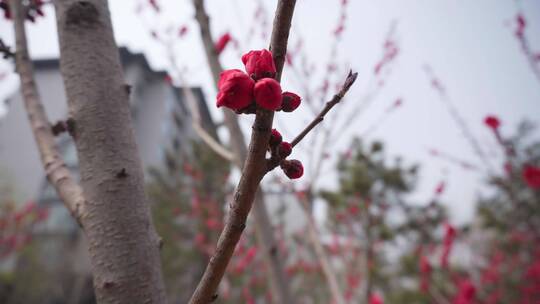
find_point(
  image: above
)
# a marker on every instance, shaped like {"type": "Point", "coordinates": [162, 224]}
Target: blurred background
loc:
{"type": "Point", "coordinates": [422, 186]}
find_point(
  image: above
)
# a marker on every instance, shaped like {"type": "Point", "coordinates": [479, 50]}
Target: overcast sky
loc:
{"type": "Point", "coordinates": [469, 44]}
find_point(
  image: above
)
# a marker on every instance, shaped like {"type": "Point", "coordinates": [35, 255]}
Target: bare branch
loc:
{"type": "Point", "coordinates": [351, 78]}
{"type": "Point", "coordinates": [208, 139]}
{"type": "Point", "coordinates": [57, 173]}
{"type": "Point", "coordinates": [6, 50]}
{"type": "Point", "coordinates": [322, 257]}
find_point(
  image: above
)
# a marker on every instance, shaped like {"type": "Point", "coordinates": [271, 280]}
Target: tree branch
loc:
{"type": "Point", "coordinates": [6, 50]}
{"type": "Point", "coordinates": [57, 173]}
{"type": "Point", "coordinates": [275, 160]}
{"type": "Point", "coordinates": [253, 171]}
{"type": "Point", "coordinates": [351, 78]}
{"type": "Point", "coordinates": [321, 255]}
{"type": "Point", "coordinates": [210, 141]}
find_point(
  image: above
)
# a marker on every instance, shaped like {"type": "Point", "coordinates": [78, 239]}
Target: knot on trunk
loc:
{"type": "Point", "coordinates": [82, 13]}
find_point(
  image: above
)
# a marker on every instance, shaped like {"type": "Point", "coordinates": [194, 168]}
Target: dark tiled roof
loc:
{"type": "Point", "coordinates": [126, 56]}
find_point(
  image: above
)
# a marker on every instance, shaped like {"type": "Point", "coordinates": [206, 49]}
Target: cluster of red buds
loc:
{"type": "Point", "coordinates": [281, 150]}
{"type": "Point", "coordinates": [33, 10]}
{"type": "Point", "coordinates": [244, 93]}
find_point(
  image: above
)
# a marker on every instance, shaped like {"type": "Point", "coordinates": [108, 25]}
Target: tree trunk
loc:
{"type": "Point", "coordinates": [123, 244]}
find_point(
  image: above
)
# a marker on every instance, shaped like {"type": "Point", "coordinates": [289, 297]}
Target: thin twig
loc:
{"type": "Point", "coordinates": [193, 107]}
{"type": "Point", "coordinates": [57, 173]}
{"type": "Point", "coordinates": [329, 105]}
{"type": "Point", "coordinates": [6, 50]}
{"type": "Point", "coordinates": [322, 257]}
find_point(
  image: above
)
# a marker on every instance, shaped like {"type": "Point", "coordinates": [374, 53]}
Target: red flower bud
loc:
{"type": "Point", "coordinates": [182, 31]}
{"type": "Point", "coordinates": [268, 94]}
{"type": "Point", "coordinates": [289, 101]}
{"type": "Point", "coordinates": [292, 168]}
{"type": "Point", "coordinates": [375, 299]}
{"type": "Point", "coordinates": [5, 7]}
{"type": "Point", "coordinates": [222, 42]}
{"type": "Point", "coordinates": [284, 149]}
{"type": "Point", "coordinates": [235, 90]}
{"type": "Point", "coordinates": [492, 122]}
{"type": "Point", "coordinates": [275, 138]}
{"type": "Point", "coordinates": [531, 175]}
{"type": "Point", "coordinates": [259, 64]}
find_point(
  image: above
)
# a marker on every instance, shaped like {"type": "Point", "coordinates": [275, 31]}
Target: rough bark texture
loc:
{"type": "Point", "coordinates": [123, 244]}
{"type": "Point", "coordinates": [57, 173]}
{"type": "Point", "coordinates": [255, 165]}
{"type": "Point", "coordinates": [277, 277]}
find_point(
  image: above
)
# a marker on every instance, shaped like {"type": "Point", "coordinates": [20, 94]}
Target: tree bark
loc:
{"type": "Point", "coordinates": [69, 192]}
{"type": "Point", "coordinates": [277, 276]}
{"type": "Point", "coordinates": [123, 244]}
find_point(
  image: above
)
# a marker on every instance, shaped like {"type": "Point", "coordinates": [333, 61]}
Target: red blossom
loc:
{"type": "Point", "coordinates": [334, 246]}
{"type": "Point", "coordinates": [531, 175]}
{"type": "Point", "coordinates": [275, 138]}
{"type": "Point", "coordinates": [183, 30]}
{"type": "Point", "coordinates": [235, 90]}
{"type": "Point", "coordinates": [491, 273]}
{"type": "Point", "coordinates": [440, 188]}
{"type": "Point", "coordinates": [33, 10]}
{"type": "Point", "coordinates": [353, 209]}
{"type": "Point", "coordinates": [267, 93]}
{"type": "Point", "coordinates": [222, 42]}
{"type": "Point", "coordinates": [531, 278]}
{"type": "Point", "coordinates": [390, 52]}
{"type": "Point", "coordinates": [466, 293]}
{"type": "Point", "coordinates": [425, 273]}
{"type": "Point", "coordinates": [5, 7]}
{"type": "Point", "coordinates": [521, 24]}
{"type": "Point", "coordinates": [353, 281]}
{"type": "Point", "coordinates": [375, 299]}
{"type": "Point", "coordinates": [492, 122]}
{"type": "Point", "coordinates": [448, 241]}
{"type": "Point", "coordinates": [339, 30]}
{"type": "Point", "coordinates": [259, 64]}
{"type": "Point", "coordinates": [250, 254]}
{"type": "Point", "coordinates": [290, 102]}
{"type": "Point", "coordinates": [213, 224]}
{"type": "Point", "coordinates": [292, 168]}
{"type": "Point", "coordinates": [284, 149]}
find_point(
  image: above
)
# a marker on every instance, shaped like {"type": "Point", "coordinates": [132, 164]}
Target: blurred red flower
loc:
{"type": "Point", "coordinates": [235, 90]}
{"type": "Point", "coordinates": [259, 64]}
{"type": "Point", "coordinates": [531, 175]}
{"type": "Point", "coordinates": [492, 122]}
